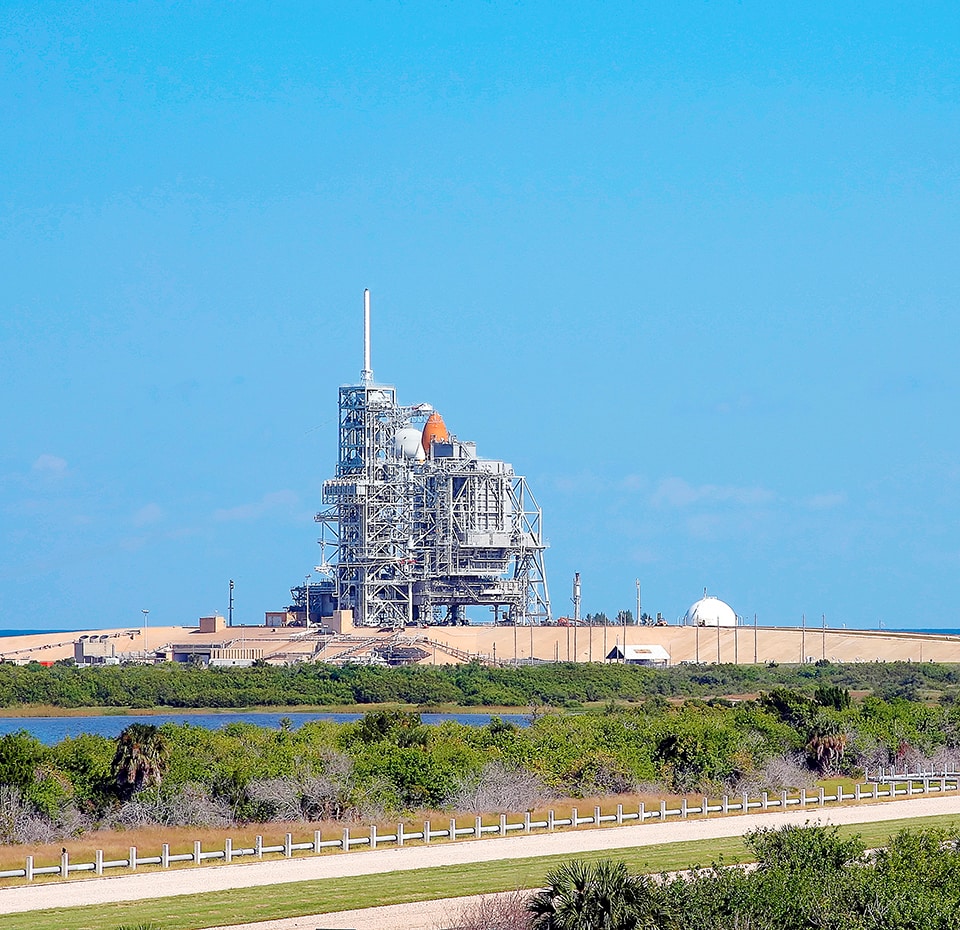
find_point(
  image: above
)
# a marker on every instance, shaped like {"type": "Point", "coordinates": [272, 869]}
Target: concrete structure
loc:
{"type": "Point", "coordinates": [95, 650]}
{"type": "Point", "coordinates": [419, 527]}
{"type": "Point", "coordinates": [216, 624]}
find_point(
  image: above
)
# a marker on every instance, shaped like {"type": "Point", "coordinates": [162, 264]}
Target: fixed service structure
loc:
{"type": "Point", "coordinates": [417, 527]}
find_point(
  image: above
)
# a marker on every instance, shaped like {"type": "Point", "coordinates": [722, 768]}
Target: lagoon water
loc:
{"type": "Point", "coordinates": [51, 730]}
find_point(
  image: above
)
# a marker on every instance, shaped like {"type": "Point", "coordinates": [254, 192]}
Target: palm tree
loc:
{"type": "Point", "coordinates": [141, 759]}
{"type": "Point", "coordinates": [586, 896]}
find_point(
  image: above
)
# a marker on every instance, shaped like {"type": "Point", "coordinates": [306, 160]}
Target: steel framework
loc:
{"type": "Point", "coordinates": [417, 536]}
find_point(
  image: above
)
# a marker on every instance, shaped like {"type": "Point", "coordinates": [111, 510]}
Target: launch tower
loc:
{"type": "Point", "coordinates": [418, 527]}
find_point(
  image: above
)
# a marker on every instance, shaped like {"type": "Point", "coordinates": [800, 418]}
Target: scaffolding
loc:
{"type": "Point", "coordinates": [417, 527]}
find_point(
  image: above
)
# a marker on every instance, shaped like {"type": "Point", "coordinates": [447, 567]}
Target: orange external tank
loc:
{"type": "Point", "coordinates": [434, 430]}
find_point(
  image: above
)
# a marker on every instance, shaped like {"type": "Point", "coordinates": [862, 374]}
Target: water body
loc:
{"type": "Point", "coordinates": [50, 730]}
{"type": "Point", "coordinates": [810, 626]}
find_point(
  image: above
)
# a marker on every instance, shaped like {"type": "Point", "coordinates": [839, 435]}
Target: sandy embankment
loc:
{"type": "Point", "coordinates": [741, 645]}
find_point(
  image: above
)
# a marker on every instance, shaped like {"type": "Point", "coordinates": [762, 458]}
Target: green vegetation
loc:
{"type": "Point", "coordinates": [556, 685]}
{"type": "Point", "coordinates": [805, 877]}
{"type": "Point", "coordinates": [190, 912]}
{"type": "Point", "coordinates": [389, 762]}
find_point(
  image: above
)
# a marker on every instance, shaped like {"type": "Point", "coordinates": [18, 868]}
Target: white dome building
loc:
{"type": "Point", "coordinates": [710, 611]}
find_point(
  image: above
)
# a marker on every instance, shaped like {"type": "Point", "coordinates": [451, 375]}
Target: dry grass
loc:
{"type": "Point", "coordinates": [148, 840]}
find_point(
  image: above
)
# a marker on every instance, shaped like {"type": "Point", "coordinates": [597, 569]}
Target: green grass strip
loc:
{"type": "Point", "coordinates": [271, 902]}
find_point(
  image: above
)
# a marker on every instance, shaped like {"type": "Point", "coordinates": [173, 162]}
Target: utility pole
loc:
{"type": "Point", "coordinates": [306, 601]}
{"type": "Point", "coordinates": [803, 637]}
{"type": "Point", "coordinates": [230, 606]}
{"type": "Point", "coordinates": [756, 661]}
{"type": "Point", "coordinates": [576, 612]}
{"type": "Point", "coordinates": [145, 612]}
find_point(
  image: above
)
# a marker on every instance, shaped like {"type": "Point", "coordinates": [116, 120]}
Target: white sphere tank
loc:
{"type": "Point", "coordinates": [710, 611]}
{"type": "Point", "coordinates": [408, 443]}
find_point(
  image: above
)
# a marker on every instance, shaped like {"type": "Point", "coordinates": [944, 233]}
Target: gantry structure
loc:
{"type": "Point", "coordinates": [417, 527]}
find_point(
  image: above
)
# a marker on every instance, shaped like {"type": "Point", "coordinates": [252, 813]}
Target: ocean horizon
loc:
{"type": "Point", "coordinates": [944, 631]}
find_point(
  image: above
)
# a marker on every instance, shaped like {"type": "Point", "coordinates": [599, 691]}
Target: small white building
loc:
{"type": "Point", "coordinates": [654, 655]}
{"type": "Point", "coordinates": [710, 611]}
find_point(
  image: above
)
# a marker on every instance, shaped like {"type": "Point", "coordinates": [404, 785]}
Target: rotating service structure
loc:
{"type": "Point", "coordinates": [418, 526]}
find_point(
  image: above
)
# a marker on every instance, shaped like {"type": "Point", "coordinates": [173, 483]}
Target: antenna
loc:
{"type": "Point", "coordinates": [367, 373]}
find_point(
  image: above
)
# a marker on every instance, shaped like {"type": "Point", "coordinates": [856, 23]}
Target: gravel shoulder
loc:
{"type": "Point", "coordinates": [224, 877]}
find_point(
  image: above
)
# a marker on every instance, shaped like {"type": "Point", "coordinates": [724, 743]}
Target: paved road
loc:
{"type": "Point", "coordinates": [253, 874]}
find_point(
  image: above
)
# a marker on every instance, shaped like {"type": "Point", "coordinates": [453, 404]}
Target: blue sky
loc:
{"type": "Point", "coordinates": [691, 268]}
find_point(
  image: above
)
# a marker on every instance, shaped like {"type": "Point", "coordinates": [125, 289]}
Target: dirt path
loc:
{"type": "Point", "coordinates": [219, 878]}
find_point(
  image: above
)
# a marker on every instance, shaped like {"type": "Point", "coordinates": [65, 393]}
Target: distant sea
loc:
{"type": "Point", "coordinates": [34, 632]}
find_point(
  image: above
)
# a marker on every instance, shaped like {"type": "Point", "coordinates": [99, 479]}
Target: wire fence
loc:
{"type": "Point", "coordinates": [886, 787]}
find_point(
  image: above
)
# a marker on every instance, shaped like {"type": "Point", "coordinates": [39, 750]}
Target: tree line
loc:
{"type": "Point", "coordinates": [805, 877]}
{"type": "Point", "coordinates": [470, 685]}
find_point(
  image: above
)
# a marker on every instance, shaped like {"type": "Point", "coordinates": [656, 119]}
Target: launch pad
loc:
{"type": "Point", "coordinates": [417, 526]}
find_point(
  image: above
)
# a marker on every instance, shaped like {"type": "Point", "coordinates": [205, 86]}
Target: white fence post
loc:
{"type": "Point", "coordinates": [619, 814]}
{"type": "Point", "coordinates": [288, 845]}
{"type": "Point", "coordinates": [551, 820]}
{"type": "Point", "coordinates": [663, 811]}
{"type": "Point", "coordinates": [64, 864]}
{"type": "Point", "coordinates": [258, 847]}
{"type": "Point", "coordinates": [196, 852]}
{"type": "Point", "coordinates": [316, 841]}
{"type": "Point", "coordinates": [574, 819]}
{"type": "Point", "coordinates": [345, 842]}
{"type": "Point", "coordinates": [526, 822]}
{"type": "Point", "coordinates": [683, 808]}
{"type": "Point", "coordinates": [503, 824]}
{"type": "Point", "coordinates": [228, 850]}
{"type": "Point", "coordinates": [765, 798]}
{"type": "Point", "coordinates": [98, 862]}
{"type": "Point", "coordinates": [426, 831]}
{"type": "Point", "coordinates": [29, 868]}
{"type": "Point", "coordinates": [373, 836]}
{"type": "Point", "coordinates": [165, 856]}
{"type": "Point", "coordinates": [596, 816]}
{"type": "Point", "coordinates": [453, 828]}
{"type": "Point", "coordinates": [641, 812]}
{"type": "Point", "coordinates": [399, 834]}
{"type": "Point", "coordinates": [479, 827]}
{"type": "Point", "coordinates": [725, 804]}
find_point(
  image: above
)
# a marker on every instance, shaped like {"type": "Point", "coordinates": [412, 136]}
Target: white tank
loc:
{"type": "Point", "coordinates": [710, 611]}
{"type": "Point", "coordinates": [407, 442]}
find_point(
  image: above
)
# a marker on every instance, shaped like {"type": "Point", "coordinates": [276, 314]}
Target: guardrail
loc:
{"type": "Point", "coordinates": [372, 838]}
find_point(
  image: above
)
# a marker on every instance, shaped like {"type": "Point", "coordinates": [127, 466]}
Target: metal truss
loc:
{"type": "Point", "coordinates": [418, 541]}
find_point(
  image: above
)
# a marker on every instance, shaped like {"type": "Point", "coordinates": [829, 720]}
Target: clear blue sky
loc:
{"type": "Point", "coordinates": [692, 268]}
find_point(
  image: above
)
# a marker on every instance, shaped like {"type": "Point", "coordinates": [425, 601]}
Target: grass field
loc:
{"type": "Point", "coordinates": [191, 912]}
